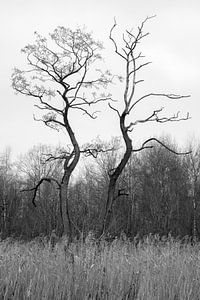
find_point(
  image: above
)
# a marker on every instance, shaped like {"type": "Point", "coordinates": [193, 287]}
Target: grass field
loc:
{"type": "Point", "coordinates": [166, 269]}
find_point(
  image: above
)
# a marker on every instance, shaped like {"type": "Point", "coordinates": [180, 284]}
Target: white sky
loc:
{"type": "Point", "coordinates": [173, 46]}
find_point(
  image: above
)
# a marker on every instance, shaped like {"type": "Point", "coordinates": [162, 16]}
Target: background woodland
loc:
{"type": "Point", "coordinates": [158, 193]}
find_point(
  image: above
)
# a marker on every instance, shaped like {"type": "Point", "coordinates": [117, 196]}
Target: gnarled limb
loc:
{"type": "Point", "coordinates": [145, 146]}
{"type": "Point", "coordinates": [35, 189]}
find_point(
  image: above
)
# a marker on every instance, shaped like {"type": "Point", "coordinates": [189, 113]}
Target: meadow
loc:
{"type": "Point", "coordinates": [152, 269]}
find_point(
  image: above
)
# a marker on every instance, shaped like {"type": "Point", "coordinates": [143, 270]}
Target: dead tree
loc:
{"type": "Point", "coordinates": [132, 62]}
{"type": "Point", "coordinates": [57, 77]}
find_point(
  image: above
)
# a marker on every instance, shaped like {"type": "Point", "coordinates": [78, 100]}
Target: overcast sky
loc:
{"type": "Point", "coordinates": [173, 47]}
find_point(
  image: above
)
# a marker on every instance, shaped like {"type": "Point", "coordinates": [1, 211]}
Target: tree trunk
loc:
{"type": "Point", "coordinates": [67, 228]}
{"type": "Point", "coordinates": [70, 163]}
{"type": "Point", "coordinates": [108, 208]}
{"type": "Point", "coordinates": [115, 175]}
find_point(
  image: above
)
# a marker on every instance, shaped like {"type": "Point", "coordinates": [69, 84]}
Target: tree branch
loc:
{"type": "Point", "coordinates": [114, 43]}
{"type": "Point", "coordinates": [114, 109]}
{"type": "Point", "coordinates": [154, 117]}
{"type": "Point", "coordinates": [95, 101]}
{"type": "Point", "coordinates": [35, 189]}
{"type": "Point", "coordinates": [169, 96]}
{"type": "Point", "coordinates": [92, 116]}
{"type": "Point", "coordinates": [95, 151]}
{"type": "Point", "coordinates": [139, 67]}
{"type": "Point", "coordinates": [144, 146]}
{"type": "Point", "coordinates": [50, 119]}
{"type": "Point", "coordinates": [50, 107]}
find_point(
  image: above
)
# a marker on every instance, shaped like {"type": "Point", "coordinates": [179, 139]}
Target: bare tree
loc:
{"type": "Point", "coordinates": [132, 62]}
{"type": "Point", "coordinates": [58, 75]}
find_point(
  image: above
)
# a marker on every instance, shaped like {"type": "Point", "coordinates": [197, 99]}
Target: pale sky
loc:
{"type": "Point", "coordinates": [173, 47]}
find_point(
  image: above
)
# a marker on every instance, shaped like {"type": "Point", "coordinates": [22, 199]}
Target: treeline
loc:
{"type": "Point", "coordinates": [157, 193]}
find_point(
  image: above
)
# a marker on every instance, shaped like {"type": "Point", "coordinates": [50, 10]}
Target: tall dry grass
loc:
{"type": "Point", "coordinates": [166, 269]}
